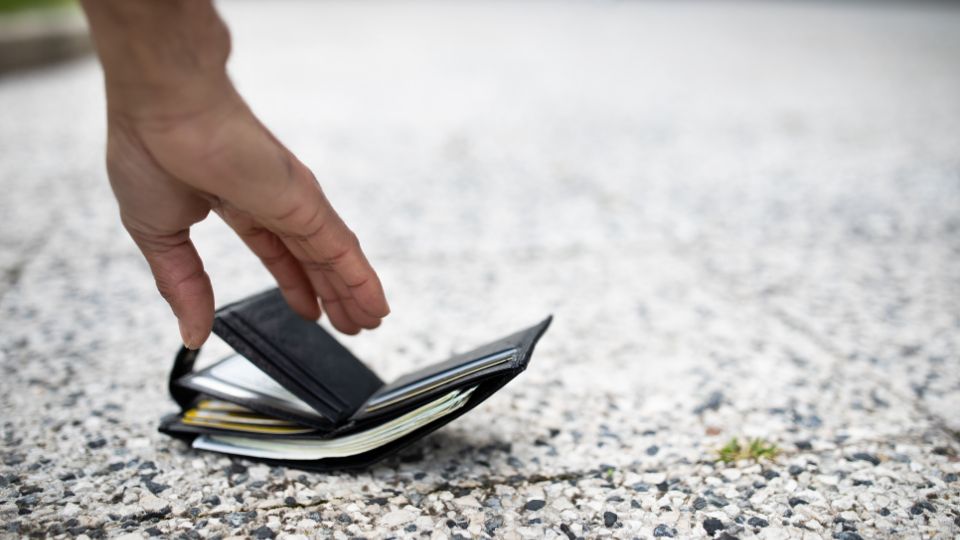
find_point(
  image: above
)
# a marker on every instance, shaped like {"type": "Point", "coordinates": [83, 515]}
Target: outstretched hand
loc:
{"type": "Point", "coordinates": [182, 142]}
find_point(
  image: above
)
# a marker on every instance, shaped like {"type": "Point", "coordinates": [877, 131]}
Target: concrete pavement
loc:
{"type": "Point", "coordinates": [744, 217]}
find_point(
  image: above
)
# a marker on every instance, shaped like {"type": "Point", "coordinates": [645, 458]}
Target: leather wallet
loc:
{"type": "Point", "coordinates": [293, 395]}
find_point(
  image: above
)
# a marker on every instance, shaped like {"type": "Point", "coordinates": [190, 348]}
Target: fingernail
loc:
{"type": "Point", "coordinates": [185, 335]}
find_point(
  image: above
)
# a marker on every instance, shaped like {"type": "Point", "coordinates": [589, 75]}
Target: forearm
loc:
{"type": "Point", "coordinates": [160, 53]}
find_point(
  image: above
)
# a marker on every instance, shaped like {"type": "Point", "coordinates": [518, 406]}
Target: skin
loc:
{"type": "Point", "coordinates": [181, 142]}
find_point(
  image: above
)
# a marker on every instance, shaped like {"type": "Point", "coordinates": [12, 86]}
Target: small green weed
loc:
{"type": "Point", "coordinates": [755, 449]}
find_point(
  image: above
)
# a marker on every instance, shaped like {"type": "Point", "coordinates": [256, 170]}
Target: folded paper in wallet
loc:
{"type": "Point", "coordinates": [292, 394]}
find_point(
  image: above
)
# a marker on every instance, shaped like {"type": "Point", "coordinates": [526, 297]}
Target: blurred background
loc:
{"type": "Point", "coordinates": [39, 32]}
{"type": "Point", "coordinates": [745, 217]}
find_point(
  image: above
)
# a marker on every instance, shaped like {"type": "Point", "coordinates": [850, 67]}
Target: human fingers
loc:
{"type": "Point", "coordinates": [332, 303]}
{"type": "Point", "coordinates": [236, 159]}
{"type": "Point", "coordinates": [182, 281]}
{"type": "Point", "coordinates": [273, 253]}
{"type": "Point", "coordinates": [350, 304]}
{"type": "Point", "coordinates": [330, 247]}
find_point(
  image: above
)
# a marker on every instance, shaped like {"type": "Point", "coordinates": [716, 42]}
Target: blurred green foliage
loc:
{"type": "Point", "coordinates": [16, 6]}
{"type": "Point", "coordinates": [755, 449]}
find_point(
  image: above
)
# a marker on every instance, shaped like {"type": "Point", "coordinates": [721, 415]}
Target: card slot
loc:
{"type": "Point", "coordinates": [365, 417]}
{"type": "Point", "coordinates": [245, 429]}
{"type": "Point", "coordinates": [248, 418]}
{"type": "Point", "coordinates": [318, 391]}
{"type": "Point", "coordinates": [177, 427]}
{"type": "Point", "coordinates": [196, 384]}
{"type": "Point", "coordinates": [431, 380]}
{"type": "Point", "coordinates": [256, 402]}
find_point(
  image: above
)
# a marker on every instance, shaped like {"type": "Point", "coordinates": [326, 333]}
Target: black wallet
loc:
{"type": "Point", "coordinates": [292, 395]}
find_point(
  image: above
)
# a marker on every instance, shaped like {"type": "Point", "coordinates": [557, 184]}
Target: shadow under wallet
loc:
{"type": "Point", "coordinates": [292, 395]}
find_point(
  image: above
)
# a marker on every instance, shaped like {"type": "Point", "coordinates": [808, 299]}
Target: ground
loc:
{"type": "Point", "coordinates": [745, 218]}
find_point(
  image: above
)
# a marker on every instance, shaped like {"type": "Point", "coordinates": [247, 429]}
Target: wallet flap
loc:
{"type": "Point", "coordinates": [297, 353]}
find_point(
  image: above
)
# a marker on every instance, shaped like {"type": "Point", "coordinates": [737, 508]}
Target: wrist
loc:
{"type": "Point", "coordinates": [160, 53]}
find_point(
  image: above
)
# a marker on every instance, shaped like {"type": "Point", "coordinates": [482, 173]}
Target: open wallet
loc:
{"type": "Point", "coordinates": [291, 394]}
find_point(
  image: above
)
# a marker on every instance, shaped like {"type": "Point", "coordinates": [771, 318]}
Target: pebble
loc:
{"type": "Point", "coordinates": [609, 518]}
{"type": "Point", "coordinates": [70, 510]}
{"type": "Point", "coordinates": [664, 531]}
{"type": "Point", "coordinates": [155, 487]}
{"type": "Point", "coordinates": [863, 456]}
{"type": "Point", "coordinates": [922, 506]}
{"type": "Point", "coordinates": [712, 525]}
{"type": "Point", "coordinates": [731, 475]}
{"type": "Point", "coordinates": [534, 505]}
{"type": "Point", "coordinates": [236, 519]}
{"type": "Point", "coordinates": [151, 504]}
{"type": "Point", "coordinates": [263, 532]}
{"type": "Point", "coordinates": [843, 503]}
{"type": "Point", "coordinates": [492, 524]}
{"type": "Point", "coordinates": [97, 443]}
{"type": "Point", "coordinates": [654, 478]}
{"type": "Point", "coordinates": [397, 517]}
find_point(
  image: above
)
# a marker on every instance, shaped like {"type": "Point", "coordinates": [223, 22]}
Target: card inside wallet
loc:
{"type": "Point", "coordinates": [291, 393]}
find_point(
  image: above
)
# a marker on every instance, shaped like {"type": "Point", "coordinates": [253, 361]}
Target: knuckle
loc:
{"type": "Point", "coordinates": [338, 257]}
{"type": "Point", "coordinates": [317, 266]}
{"type": "Point", "coordinates": [359, 283]}
{"type": "Point", "coordinates": [306, 221]}
{"type": "Point", "coordinates": [273, 259]}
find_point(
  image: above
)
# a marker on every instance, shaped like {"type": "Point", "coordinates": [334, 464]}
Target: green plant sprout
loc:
{"type": "Point", "coordinates": [755, 449]}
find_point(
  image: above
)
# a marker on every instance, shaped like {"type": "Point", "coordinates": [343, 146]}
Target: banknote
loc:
{"type": "Point", "coordinates": [348, 445]}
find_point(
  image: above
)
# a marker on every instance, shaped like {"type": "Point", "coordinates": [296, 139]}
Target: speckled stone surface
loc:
{"type": "Point", "coordinates": [745, 218]}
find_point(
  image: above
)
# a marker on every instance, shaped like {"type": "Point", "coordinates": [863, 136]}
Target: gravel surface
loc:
{"type": "Point", "coordinates": [745, 218]}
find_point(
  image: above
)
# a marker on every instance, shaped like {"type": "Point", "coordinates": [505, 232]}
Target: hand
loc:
{"type": "Point", "coordinates": [182, 142]}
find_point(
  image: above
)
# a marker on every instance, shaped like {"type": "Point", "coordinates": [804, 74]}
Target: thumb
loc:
{"type": "Point", "coordinates": [182, 281]}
